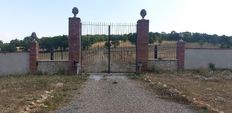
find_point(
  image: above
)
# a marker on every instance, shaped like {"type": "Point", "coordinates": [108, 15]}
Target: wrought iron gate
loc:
{"type": "Point", "coordinates": [108, 48]}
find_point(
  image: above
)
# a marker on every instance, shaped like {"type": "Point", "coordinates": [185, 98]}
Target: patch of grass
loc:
{"type": "Point", "coordinates": [134, 76]}
{"type": "Point", "coordinates": [213, 88]}
{"type": "Point", "coordinates": [212, 67]}
{"type": "Point", "coordinates": [19, 91]}
{"type": "Point", "coordinates": [203, 72]}
{"type": "Point", "coordinates": [154, 70]}
{"type": "Point", "coordinates": [54, 102]}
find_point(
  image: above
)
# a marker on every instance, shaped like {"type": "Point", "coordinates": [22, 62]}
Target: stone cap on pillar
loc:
{"type": "Point", "coordinates": [143, 13]}
{"type": "Point", "coordinates": [75, 11]}
{"type": "Point", "coordinates": [181, 40]}
{"type": "Point", "coordinates": [33, 36]}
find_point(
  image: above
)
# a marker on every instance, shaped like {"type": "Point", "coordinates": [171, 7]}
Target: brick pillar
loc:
{"type": "Point", "coordinates": [142, 45]}
{"type": "Point", "coordinates": [74, 44]}
{"type": "Point", "coordinates": [180, 51]}
{"type": "Point", "coordinates": [34, 52]}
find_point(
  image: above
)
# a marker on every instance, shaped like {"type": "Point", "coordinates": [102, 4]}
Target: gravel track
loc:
{"type": "Point", "coordinates": [117, 94]}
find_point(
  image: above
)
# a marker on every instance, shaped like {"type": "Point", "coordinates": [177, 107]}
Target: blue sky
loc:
{"type": "Point", "coordinates": [19, 18]}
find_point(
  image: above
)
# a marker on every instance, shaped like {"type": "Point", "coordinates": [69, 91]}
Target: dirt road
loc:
{"type": "Point", "coordinates": [117, 94]}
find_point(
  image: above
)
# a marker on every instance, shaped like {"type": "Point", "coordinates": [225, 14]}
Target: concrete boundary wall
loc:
{"type": "Point", "coordinates": [170, 65]}
{"type": "Point", "coordinates": [14, 63]}
{"type": "Point", "coordinates": [53, 67]}
{"type": "Point", "coordinates": [199, 58]}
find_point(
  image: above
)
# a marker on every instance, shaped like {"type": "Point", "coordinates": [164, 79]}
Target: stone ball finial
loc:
{"type": "Point", "coordinates": [181, 40]}
{"type": "Point", "coordinates": [143, 13]}
{"type": "Point", "coordinates": [33, 35]}
{"type": "Point", "coordinates": [75, 11]}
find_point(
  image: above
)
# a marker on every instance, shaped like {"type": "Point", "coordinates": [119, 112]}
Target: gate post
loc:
{"type": "Point", "coordinates": [33, 54]}
{"type": "Point", "coordinates": [180, 51]}
{"type": "Point", "coordinates": [74, 42]}
{"type": "Point", "coordinates": [142, 43]}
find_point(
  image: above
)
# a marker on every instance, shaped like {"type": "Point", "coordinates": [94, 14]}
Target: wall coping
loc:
{"type": "Point", "coordinates": [13, 52]}
{"type": "Point", "coordinates": [212, 48]}
{"type": "Point", "coordinates": [164, 60]}
{"type": "Point", "coordinates": [52, 61]}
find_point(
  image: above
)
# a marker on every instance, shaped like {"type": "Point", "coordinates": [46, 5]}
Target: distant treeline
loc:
{"type": "Point", "coordinates": [201, 38]}
{"type": "Point", "coordinates": [61, 42]}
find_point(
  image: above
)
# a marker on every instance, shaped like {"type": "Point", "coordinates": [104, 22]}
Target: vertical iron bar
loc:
{"type": "Point", "coordinates": [51, 54]}
{"type": "Point", "coordinates": [156, 52]}
{"type": "Point", "coordinates": [109, 44]}
{"type": "Point", "coordinates": [62, 54]}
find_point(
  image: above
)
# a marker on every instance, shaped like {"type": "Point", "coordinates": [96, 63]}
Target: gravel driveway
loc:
{"type": "Point", "coordinates": [117, 94]}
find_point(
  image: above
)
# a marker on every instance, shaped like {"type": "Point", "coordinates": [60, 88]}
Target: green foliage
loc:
{"type": "Point", "coordinates": [160, 40]}
{"type": "Point", "coordinates": [132, 38]}
{"type": "Point", "coordinates": [203, 72]}
{"type": "Point", "coordinates": [116, 43]}
{"type": "Point", "coordinates": [107, 44]}
{"type": "Point", "coordinates": [25, 43]}
{"type": "Point", "coordinates": [61, 42]}
{"type": "Point", "coordinates": [7, 47]}
{"type": "Point", "coordinates": [57, 42]}
{"type": "Point", "coordinates": [88, 40]}
{"type": "Point", "coordinates": [225, 46]}
{"type": "Point", "coordinates": [201, 42]}
{"type": "Point", "coordinates": [134, 76]}
{"type": "Point", "coordinates": [211, 67]}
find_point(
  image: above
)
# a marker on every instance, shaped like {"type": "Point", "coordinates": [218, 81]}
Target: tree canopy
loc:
{"type": "Point", "coordinates": [61, 42]}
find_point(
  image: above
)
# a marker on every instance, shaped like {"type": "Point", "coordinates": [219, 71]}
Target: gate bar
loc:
{"type": "Point", "coordinates": [109, 44]}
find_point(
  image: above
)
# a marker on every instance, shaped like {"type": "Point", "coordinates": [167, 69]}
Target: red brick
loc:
{"type": "Point", "coordinates": [142, 44]}
{"type": "Point", "coordinates": [34, 51]}
{"type": "Point", "coordinates": [74, 43]}
{"type": "Point", "coordinates": [180, 51]}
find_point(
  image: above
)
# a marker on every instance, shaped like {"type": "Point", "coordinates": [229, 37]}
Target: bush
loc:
{"type": "Point", "coordinates": [211, 67]}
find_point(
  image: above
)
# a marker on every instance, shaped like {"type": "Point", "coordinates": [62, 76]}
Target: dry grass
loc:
{"type": "Point", "coordinates": [167, 49]}
{"type": "Point", "coordinates": [122, 58]}
{"type": "Point", "coordinates": [93, 49]}
{"type": "Point", "coordinates": [18, 92]}
{"type": "Point", "coordinates": [96, 60]}
{"type": "Point", "coordinates": [192, 45]}
{"type": "Point", "coordinates": [197, 45]}
{"type": "Point", "coordinates": [126, 44]}
{"type": "Point", "coordinates": [98, 45]}
{"type": "Point", "coordinates": [213, 88]}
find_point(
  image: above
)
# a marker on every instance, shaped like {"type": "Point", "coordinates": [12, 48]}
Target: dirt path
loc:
{"type": "Point", "coordinates": [117, 94]}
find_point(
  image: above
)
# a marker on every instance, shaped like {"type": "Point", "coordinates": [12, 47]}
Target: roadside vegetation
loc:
{"type": "Point", "coordinates": [37, 93]}
{"type": "Point", "coordinates": [210, 91]}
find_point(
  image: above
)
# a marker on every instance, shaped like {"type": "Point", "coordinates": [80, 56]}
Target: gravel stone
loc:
{"type": "Point", "coordinates": [99, 95]}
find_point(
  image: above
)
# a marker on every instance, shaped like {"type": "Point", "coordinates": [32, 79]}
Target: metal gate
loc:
{"type": "Point", "coordinates": [108, 48]}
